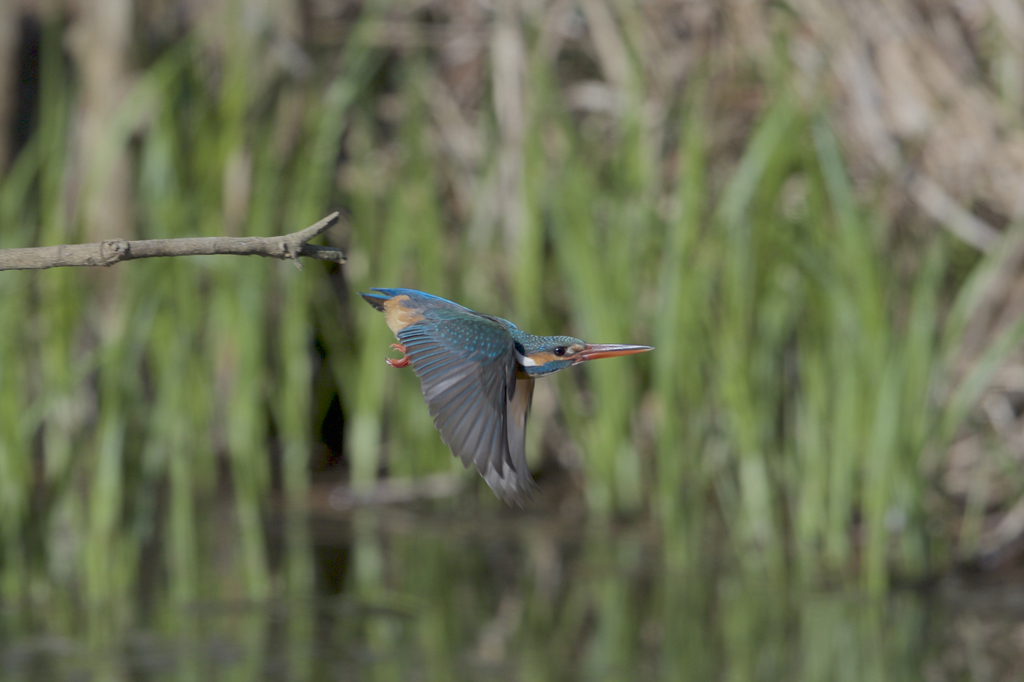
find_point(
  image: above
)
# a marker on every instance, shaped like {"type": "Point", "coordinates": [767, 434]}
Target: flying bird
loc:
{"type": "Point", "coordinates": [476, 372]}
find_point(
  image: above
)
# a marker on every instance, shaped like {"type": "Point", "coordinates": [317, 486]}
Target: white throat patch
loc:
{"type": "Point", "coordinates": [525, 361]}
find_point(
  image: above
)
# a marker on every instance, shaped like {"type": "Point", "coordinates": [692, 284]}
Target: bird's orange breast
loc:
{"type": "Point", "coordinates": [398, 316]}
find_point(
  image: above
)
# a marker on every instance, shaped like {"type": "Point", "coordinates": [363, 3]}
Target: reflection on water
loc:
{"type": "Point", "coordinates": [417, 594]}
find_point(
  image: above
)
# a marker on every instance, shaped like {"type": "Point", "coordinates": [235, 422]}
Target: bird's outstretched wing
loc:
{"type": "Point", "coordinates": [467, 370]}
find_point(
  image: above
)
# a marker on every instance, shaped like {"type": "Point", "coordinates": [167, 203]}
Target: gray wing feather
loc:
{"type": "Point", "coordinates": [517, 412]}
{"type": "Point", "coordinates": [478, 405]}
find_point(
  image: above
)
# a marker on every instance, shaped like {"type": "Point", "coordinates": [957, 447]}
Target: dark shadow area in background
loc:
{"type": "Point", "coordinates": [26, 101]}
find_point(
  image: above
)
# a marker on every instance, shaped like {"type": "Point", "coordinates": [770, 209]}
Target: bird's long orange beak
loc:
{"type": "Point", "coordinates": [596, 351]}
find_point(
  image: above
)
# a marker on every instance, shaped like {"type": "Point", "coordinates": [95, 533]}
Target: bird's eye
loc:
{"type": "Point", "coordinates": [559, 351]}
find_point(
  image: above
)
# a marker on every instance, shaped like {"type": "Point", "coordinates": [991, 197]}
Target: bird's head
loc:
{"type": "Point", "coordinates": [540, 355]}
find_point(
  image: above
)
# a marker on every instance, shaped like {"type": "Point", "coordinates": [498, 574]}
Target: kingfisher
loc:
{"type": "Point", "coordinates": [476, 372]}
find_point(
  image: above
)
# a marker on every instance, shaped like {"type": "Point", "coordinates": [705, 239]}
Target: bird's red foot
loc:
{"type": "Point", "coordinates": [400, 362]}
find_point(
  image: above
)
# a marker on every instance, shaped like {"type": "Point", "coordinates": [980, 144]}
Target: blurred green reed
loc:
{"type": "Point", "coordinates": [132, 383]}
{"type": "Point", "coordinates": [790, 398]}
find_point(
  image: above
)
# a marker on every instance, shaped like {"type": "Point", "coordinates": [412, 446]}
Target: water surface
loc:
{"type": "Point", "coordinates": [460, 593]}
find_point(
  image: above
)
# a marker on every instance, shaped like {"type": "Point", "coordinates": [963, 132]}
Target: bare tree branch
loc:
{"type": "Point", "coordinates": [113, 251]}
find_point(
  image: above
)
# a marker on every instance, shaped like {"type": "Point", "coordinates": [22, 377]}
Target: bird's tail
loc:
{"type": "Point", "coordinates": [376, 299]}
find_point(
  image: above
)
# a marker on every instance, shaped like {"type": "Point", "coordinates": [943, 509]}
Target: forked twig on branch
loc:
{"type": "Point", "coordinates": [112, 251]}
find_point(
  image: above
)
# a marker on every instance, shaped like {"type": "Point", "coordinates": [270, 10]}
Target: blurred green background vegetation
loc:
{"type": "Point", "coordinates": [830, 284]}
